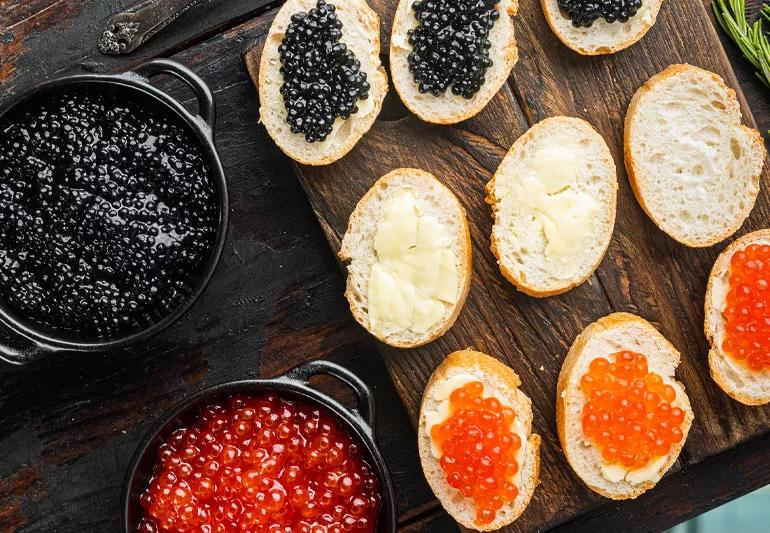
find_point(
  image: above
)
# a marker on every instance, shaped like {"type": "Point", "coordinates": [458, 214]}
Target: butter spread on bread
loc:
{"type": "Point", "coordinates": [553, 199]}
{"type": "Point", "coordinates": [408, 255]}
{"type": "Point", "coordinates": [414, 277]}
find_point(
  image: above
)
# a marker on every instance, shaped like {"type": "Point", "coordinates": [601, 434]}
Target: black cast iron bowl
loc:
{"type": "Point", "coordinates": [358, 421]}
{"type": "Point", "coordinates": [23, 341]}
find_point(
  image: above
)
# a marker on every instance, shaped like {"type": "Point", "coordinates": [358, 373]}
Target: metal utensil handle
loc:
{"type": "Point", "coordinates": [365, 407]}
{"type": "Point", "coordinates": [207, 110]}
{"type": "Point", "coordinates": [126, 31]}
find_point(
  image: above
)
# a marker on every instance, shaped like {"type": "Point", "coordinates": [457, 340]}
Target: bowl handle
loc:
{"type": "Point", "coordinates": [16, 349]}
{"type": "Point", "coordinates": [365, 407]}
{"type": "Point", "coordinates": [180, 72]}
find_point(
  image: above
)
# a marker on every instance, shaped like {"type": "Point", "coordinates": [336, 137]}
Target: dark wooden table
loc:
{"type": "Point", "coordinates": [69, 425]}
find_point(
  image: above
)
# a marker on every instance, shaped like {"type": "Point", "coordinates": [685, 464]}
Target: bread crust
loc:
{"type": "Point", "coordinates": [551, 11]}
{"type": "Point", "coordinates": [401, 79]}
{"type": "Point", "coordinates": [630, 163]}
{"type": "Point", "coordinates": [570, 284]}
{"type": "Point", "coordinates": [489, 366]}
{"type": "Point", "coordinates": [378, 81]}
{"type": "Point", "coordinates": [567, 376]}
{"type": "Point", "coordinates": [713, 320]}
{"type": "Point", "coordinates": [357, 216]}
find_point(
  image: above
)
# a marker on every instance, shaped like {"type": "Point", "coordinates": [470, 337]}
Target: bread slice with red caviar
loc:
{"type": "Point", "coordinates": [450, 108]}
{"type": "Point", "coordinates": [361, 35]}
{"type": "Point", "coordinates": [601, 37]}
{"type": "Point", "coordinates": [501, 382]}
{"type": "Point", "coordinates": [751, 387]}
{"type": "Point", "coordinates": [610, 335]}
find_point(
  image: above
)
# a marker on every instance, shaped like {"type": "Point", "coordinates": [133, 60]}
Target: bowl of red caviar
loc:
{"type": "Point", "coordinates": [264, 455]}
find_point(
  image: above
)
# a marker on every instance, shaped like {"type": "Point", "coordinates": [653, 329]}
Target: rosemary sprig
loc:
{"type": "Point", "coordinates": [750, 38]}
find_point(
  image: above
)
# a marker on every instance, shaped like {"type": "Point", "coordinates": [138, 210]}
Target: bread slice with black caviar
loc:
{"type": "Point", "coordinates": [360, 35]}
{"type": "Point", "coordinates": [447, 107]}
{"type": "Point", "coordinates": [601, 37]}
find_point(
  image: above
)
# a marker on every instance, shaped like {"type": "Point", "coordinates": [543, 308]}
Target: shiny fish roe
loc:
{"type": "Point", "coordinates": [585, 12]}
{"type": "Point", "coordinates": [107, 213]}
{"type": "Point", "coordinates": [747, 309]}
{"type": "Point", "coordinates": [261, 464]}
{"type": "Point", "coordinates": [450, 45]}
{"type": "Point", "coordinates": [322, 78]}
{"type": "Point", "coordinates": [479, 449]}
{"type": "Point", "coordinates": [628, 412]}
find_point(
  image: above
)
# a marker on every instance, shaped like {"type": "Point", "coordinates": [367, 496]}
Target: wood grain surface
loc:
{"type": "Point", "coordinates": [644, 271]}
{"type": "Point", "coordinates": [69, 426]}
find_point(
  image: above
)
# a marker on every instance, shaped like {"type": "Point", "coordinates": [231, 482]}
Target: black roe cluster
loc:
{"type": "Point", "coordinates": [322, 79]}
{"type": "Point", "coordinates": [450, 46]}
{"type": "Point", "coordinates": [107, 214]}
{"type": "Point", "coordinates": [584, 13]}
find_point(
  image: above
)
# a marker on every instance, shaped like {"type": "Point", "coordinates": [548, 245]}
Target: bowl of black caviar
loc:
{"type": "Point", "coordinates": [113, 211]}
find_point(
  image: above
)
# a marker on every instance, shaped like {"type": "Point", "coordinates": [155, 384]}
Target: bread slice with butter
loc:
{"type": "Point", "coordinates": [450, 108]}
{"type": "Point", "coordinates": [607, 336]}
{"type": "Point", "coordinates": [601, 37]}
{"type": "Point", "coordinates": [409, 258]}
{"type": "Point", "coordinates": [502, 383]}
{"type": "Point", "coordinates": [694, 168]}
{"type": "Point", "coordinates": [736, 379]}
{"type": "Point", "coordinates": [553, 198]}
{"type": "Point", "coordinates": [361, 34]}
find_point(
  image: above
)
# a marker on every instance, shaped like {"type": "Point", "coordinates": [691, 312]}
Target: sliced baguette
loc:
{"type": "Point", "coordinates": [694, 168]}
{"type": "Point", "coordinates": [739, 382]}
{"type": "Point", "coordinates": [505, 383]}
{"type": "Point", "coordinates": [518, 241]}
{"type": "Point", "coordinates": [602, 37]}
{"type": "Point", "coordinates": [609, 335]}
{"type": "Point", "coordinates": [361, 34]}
{"type": "Point", "coordinates": [358, 247]}
{"type": "Point", "coordinates": [450, 108]}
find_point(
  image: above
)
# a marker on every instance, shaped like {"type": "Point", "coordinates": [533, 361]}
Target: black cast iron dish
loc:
{"type": "Point", "coordinates": [359, 422]}
{"type": "Point", "coordinates": [26, 341]}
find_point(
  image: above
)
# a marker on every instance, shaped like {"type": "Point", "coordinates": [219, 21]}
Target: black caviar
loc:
{"type": "Point", "coordinates": [107, 213]}
{"type": "Point", "coordinates": [450, 46]}
{"type": "Point", "coordinates": [584, 13]}
{"type": "Point", "coordinates": [322, 78]}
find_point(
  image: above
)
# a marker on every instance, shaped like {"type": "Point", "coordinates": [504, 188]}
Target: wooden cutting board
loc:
{"type": "Point", "coordinates": [643, 272]}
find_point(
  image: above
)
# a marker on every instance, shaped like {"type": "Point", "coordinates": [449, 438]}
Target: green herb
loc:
{"type": "Point", "coordinates": [750, 38]}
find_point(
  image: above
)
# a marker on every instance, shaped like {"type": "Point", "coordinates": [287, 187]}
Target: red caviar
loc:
{"type": "Point", "coordinates": [747, 309]}
{"type": "Point", "coordinates": [261, 464]}
{"type": "Point", "coordinates": [479, 449]}
{"type": "Point", "coordinates": [629, 413]}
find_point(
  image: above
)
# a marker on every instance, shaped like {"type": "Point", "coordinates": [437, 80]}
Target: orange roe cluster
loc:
{"type": "Point", "coordinates": [747, 309]}
{"type": "Point", "coordinates": [628, 413]}
{"type": "Point", "coordinates": [479, 449]}
{"type": "Point", "coordinates": [261, 464]}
